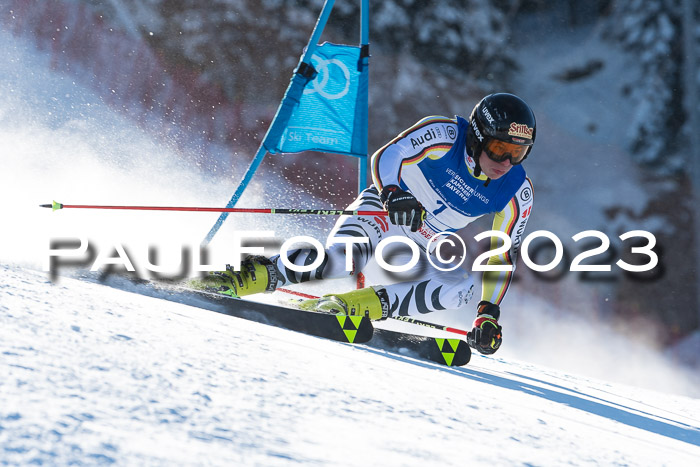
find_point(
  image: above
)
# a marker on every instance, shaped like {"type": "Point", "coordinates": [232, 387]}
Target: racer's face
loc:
{"type": "Point", "coordinates": [492, 169]}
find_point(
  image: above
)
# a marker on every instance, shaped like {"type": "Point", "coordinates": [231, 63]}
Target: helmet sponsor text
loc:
{"type": "Point", "coordinates": [520, 130]}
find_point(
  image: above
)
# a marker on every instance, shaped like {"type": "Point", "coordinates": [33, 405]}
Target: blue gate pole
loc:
{"type": "Point", "coordinates": [247, 177]}
{"type": "Point", "coordinates": [318, 30]}
{"type": "Point", "coordinates": [262, 151]}
{"type": "Point", "coordinates": [364, 43]}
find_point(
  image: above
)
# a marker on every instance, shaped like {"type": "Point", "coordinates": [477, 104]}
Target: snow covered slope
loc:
{"type": "Point", "coordinates": [91, 375]}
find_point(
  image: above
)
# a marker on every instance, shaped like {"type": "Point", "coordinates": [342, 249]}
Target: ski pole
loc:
{"type": "Point", "coordinates": [406, 319]}
{"type": "Point", "coordinates": [321, 212]}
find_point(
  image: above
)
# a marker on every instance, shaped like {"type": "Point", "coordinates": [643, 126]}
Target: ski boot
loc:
{"type": "Point", "coordinates": [258, 274]}
{"type": "Point", "coordinates": [372, 302]}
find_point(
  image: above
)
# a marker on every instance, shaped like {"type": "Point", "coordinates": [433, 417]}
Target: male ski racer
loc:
{"type": "Point", "coordinates": [437, 176]}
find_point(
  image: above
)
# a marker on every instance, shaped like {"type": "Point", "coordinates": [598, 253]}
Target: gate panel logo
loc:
{"type": "Point", "coordinates": [329, 83]}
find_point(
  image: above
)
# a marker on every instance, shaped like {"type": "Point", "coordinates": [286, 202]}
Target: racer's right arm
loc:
{"type": "Point", "coordinates": [411, 146]}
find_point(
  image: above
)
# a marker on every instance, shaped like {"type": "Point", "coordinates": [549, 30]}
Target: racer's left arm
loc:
{"type": "Point", "coordinates": [512, 221]}
{"type": "Point", "coordinates": [486, 333]}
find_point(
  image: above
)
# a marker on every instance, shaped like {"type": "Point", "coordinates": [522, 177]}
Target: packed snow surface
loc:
{"type": "Point", "coordinates": [92, 374]}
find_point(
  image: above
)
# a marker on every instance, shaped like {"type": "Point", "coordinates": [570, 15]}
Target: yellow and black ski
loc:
{"type": "Point", "coordinates": [351, 329]}
{"type": "Point", "coordinates": [343, 328]}
{"type": "Point", "coordinates": [450, 352]}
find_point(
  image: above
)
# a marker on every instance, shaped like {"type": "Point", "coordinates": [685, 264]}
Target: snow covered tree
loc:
{"type": "Point", "coordinates": [651, 31]}
{"type": "Point", "coordinates": [468, 37]}
{"type": "Point", "coordinates": [239, 44]}
{"type": "Point", "coordinates": [232, 41]}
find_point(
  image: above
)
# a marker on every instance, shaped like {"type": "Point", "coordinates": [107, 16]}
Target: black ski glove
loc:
{"type": "Point", "coordinates": [403, 207]}
{"type": "Point", "coordinates": [486, 335]}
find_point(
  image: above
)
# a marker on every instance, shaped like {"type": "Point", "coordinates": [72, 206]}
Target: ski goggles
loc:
{"type": "Point", "coordinates": [499, 151]}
